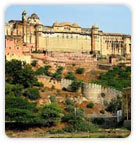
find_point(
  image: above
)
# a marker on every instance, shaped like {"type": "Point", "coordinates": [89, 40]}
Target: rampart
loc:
{"type": "Point", "coordinates": [94, 92]}
{"type": "Point", "coordinates": [90, 91]}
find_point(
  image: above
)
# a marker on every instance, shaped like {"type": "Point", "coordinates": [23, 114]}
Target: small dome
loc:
{"type": "Point", "coordinates": [95, 26]}
{"type": "Point", "coordinates": [34, 16]}
{"type": "Point", "coordinates": [65, 24]}
{"type": "Point", "coordinates": [75, 25]}
{"type": "Point", "coordinates": [56, 24]}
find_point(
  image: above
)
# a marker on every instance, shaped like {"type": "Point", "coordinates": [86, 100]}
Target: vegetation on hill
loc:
{"type": "Point", "coordinates": [119, 77]}
{"type": "Point", "coordinates": [90, 105]}
{"type": "Point", "coordinates": [58, 74]}
{"type": "Point", "coordinates": [13, 89]}
{"type": "Point", "coordinates": [22, 89]}
{"type": "Point", "coordinates": [51, 114]}
{"type": "Point", "coordinates": [80, 70]}
{"type": "Point", "coordinates": [19, 110]}
{"type": "Point", "coordinates": [32, 93]}
{"type": "Point", "coordinates": [18, 72]}
{"type": "Point", "coordinates": [45, 71]}
{"type": "Point", "coordinates": [114, 105]}
{"type": "Point", "coordinates": [75, 85]}
{"type": "Point", "coordinates": [76, 120]}
{"type": "Point", "coordinates": [70, 76]}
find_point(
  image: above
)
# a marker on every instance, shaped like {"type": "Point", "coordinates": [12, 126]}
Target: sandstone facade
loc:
{"type": "Point", "coordinates": [63, 37]}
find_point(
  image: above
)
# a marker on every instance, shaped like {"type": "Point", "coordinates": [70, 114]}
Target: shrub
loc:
{"type": "Point", "coordinates": [69, 102]}
{"type": "Point", "coordinates": [58, 74]}
{"type": "Point", "coordinates": [13, 89]}
{"type": "Point", "coordinates": [51, 114]}
{"type": "Point", "coordinates": [103, 95]}
{"type": "Point", "coordinates": [43, 70]}
{"type": "Point", "coordinates": [37, 51]}
{"type": "Point", "coordinates": [90, 105]}
{"type": "Point", "coordinates": [64, 88]}
{"type": "Point", "coordinates": [77, 122]}
{"type": "Point", "coordinates": [70, 75]}
{"type": "Point", "coordinates": [53, 99]}
{"type": "Point", "coordinates": [39, 84]}
{"type": "Point", "coordinates": [114, 105]}
{"type": "Point", "coordinates": [32, 93]}
{"type": "Point", "coordinates": [34, 63]}
{"type": "Point", "coordinates": [20, 110]}
{"type": "Point", "coordinates": [118, 77]}
{"type": "Point", "coordinates": [79, 70]}
{"type": "Point", "coordinates": [18, 72]}
{"type": "Point", "coordinates": [98, 121]}
{"type": "Point", "coordinates": [75, 86]}
{"type": "Point", "coordinates": [102, 111]}
{"type": "Point", "coordinates": [70, 108]}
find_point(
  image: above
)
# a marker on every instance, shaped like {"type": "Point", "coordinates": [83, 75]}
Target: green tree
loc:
{"type": "Point", "coordinates": [32, 93]}
{"type": "Point", "coordinates": [69, 102]}
{"type": "Point", "coordinates": [90, 105]}
{"type": "Point", "coordinates": [114, 105]}
{"type": "Point", "coordinates": [19, 110]}
{"type": "Point", "coordinates": [18, 72]}
{"type": "Point", "coordinates": [12, 67]}
{"type": "Point", "coordinates": [119, 77]}
{"type": "Point", "coordinates": [51, 114]}
{"type": "Point", "coordinates": [70, 108]}
{"type": "Point", "coordinates": [34, 63]}
{"type": "Point", "coordinates": [26, 77]}
{"type": "Point", "coordinates": [58, 74]}
{"type": "Point", "coordinates": [44, 70]}
{"type": "Point", "coordinates": [13, 90]}
{"type": "Point", "coordinates": [70, 75]}
{"type": "Point", "coordinates": [53, 99]}
{"type": "Point", "coordinates": [75, 86]}
{"type": "Point", "coordinates": [80, 70]}
{"type": "Point", "coordinates": [76, 121]}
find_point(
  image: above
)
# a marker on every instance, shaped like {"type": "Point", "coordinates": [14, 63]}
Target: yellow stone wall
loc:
{"type": "Point", "coordinates": [65, 42]}
{"type": "Point", "coordinates": [67, 37]}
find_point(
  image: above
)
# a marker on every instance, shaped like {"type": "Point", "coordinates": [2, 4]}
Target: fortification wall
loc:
{"type": "Point", "coordinates": [93, 92]}
{"type": "Point", "coordinates": [89, 90]}
{"type": "Point", "coordinates": [49, 82]}
{"type": "Point", "coordinates": [65, 83]}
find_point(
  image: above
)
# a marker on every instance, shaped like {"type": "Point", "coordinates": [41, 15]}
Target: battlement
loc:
{"type": "Point", "coordinates": [91, 91]}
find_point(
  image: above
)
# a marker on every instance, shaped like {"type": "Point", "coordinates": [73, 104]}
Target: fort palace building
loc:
{"type": "Point", "coordinates": [29, 34]}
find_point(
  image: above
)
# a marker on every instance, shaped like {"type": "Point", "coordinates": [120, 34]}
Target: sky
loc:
{"type": "Point", "coordinates": [109, 18]}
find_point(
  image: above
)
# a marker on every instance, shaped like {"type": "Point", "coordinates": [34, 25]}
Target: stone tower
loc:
{"type": "Point", "coordinates": [24, 18]}
{"type": "Point", "coordinates": [94, 33]}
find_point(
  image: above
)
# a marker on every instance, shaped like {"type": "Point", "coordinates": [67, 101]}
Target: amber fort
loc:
{"type": "Point", "coordinates": [78, 68]}
{"type": "Point", "coordinates": [29, 34]}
